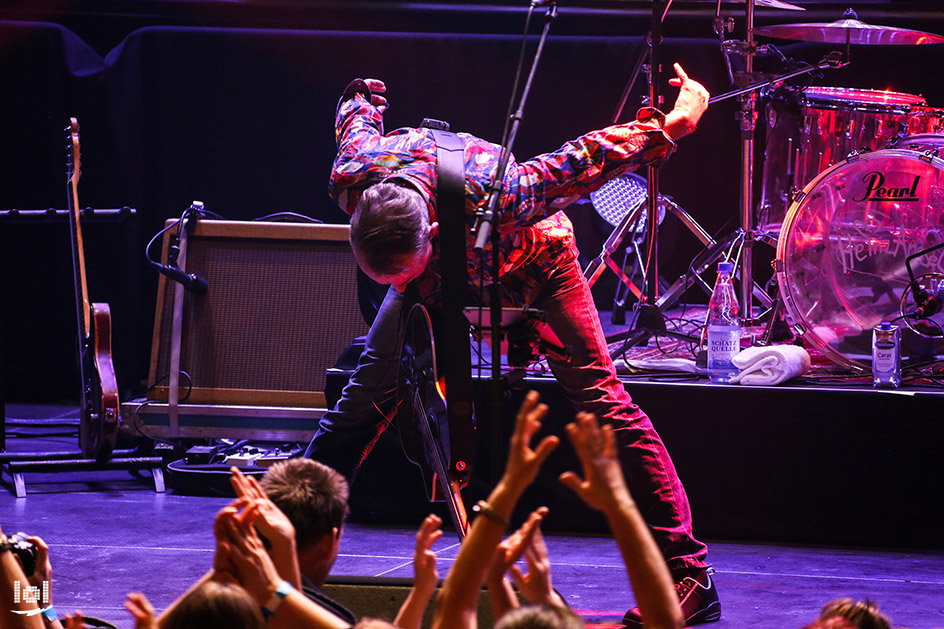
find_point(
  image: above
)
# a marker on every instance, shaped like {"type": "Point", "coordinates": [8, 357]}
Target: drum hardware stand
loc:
{"type": "Point", "coordinates": [746, 235]}
{"type": "Point", "coordinates": [628, 224]}
{"type": "Point", "coordinates": [648, 320]}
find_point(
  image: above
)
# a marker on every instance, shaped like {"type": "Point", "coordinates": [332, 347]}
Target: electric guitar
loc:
{"type": "Point", "coordinates": [423, 420]}
{"type": "Point", "coordinates": [99, 403]}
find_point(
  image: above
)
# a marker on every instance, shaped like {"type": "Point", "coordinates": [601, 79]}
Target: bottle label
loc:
{"type": "Point", "coordinates": [886, 357]}
{"type": "Point", "coordinates": [724, 342]}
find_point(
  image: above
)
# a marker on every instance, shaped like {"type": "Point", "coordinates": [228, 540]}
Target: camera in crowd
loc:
{"type": "Point", "coordinates": [25, 550]}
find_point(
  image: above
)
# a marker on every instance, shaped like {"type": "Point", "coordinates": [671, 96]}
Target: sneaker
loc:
{"type": "Point", "coordinates": [698, 598]}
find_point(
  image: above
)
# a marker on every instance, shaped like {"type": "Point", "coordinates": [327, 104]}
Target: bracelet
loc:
{"type": "Point", "coordinates": [49, 613]}
{"type": "Point", "coordinates": [280, 593]}
{"type": "Point", "coordinates": [490, 512]}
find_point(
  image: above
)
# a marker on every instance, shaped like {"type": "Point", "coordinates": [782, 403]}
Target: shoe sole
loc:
{"type": "Point", "coordinates": [711, 613]}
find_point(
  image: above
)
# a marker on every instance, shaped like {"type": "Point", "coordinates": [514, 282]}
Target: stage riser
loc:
{"type": "Point", "coordinates": [789, 465]}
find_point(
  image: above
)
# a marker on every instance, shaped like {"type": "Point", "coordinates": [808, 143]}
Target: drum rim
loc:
{"type": "Point", "coordinates": [837, 95]}
{"type": "Point", "coordinates": [800, 323]}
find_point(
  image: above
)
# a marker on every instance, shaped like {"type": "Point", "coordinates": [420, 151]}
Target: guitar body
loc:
{"type": "Point", "coordinates": [99, 404]}
{"type": "Point", "coordinates": [99, 416]}
{"type": "Point", "coordinates": [422, 417]}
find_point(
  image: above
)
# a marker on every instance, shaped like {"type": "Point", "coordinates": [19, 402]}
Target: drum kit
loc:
{"type": "Point", "coordinates": [852, 196]}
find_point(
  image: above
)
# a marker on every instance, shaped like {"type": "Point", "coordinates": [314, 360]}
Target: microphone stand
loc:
{"type": "Point", "coordinates": [485, 231]}
{"type": "Point", "coordinates": [648, 320]}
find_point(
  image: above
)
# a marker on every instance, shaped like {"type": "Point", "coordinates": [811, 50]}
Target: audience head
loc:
{"type": "Point", "coordinates": [215, 604]}
{"type": "Point", "coordinates": [540, 617]}
{"type": "Point", "coordinates": [830, 623]}
{"type": "Point", "coordinates": [374, 623]}
{"type": "Point", "coordinates": [312, 495]}
{"type": "Point", "coordinates": [862, 614]}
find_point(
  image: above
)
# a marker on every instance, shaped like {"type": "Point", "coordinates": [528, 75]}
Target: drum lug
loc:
{"type": "Point", "coordinates": [855, 154]}
{"type": "Point", "coordinates": [929, 155]}
{"type": "Point", "coordinates": [777, 265]}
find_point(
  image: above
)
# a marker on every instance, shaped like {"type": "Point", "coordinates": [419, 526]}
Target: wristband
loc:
{"type": "Point", "coordinates": [280, 593]}
{"type": "Point", "coordinates": [490, 512]}
{"type": "Point", "coordinates": [49, 613]}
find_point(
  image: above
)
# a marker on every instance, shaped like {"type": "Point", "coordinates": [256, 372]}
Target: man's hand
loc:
{"type": "Point", "coordinates": [691, 103]}
{"type": "Point", "coordinates": [377, 87]}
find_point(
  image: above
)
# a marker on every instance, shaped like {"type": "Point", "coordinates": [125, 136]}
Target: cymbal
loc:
{"type": "Point", "coordinates": [770, 4]}
{"type": "Point", "coordinates": [774, 4]}
{"type": "Point", "coordinates": [852, 31]}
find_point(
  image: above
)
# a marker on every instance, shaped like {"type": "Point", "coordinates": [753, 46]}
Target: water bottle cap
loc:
{"type": "Point", "coordinates": [725, 267]}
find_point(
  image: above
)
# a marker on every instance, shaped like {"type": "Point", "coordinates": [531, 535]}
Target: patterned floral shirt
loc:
{"type": "Point", "coordinates": [535, 234]}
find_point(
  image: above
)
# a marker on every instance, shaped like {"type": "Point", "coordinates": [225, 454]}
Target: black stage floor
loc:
{"type": "Point", "coordinates": [111, 533]}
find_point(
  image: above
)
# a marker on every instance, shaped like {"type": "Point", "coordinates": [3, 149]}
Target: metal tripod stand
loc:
{"type": "Point", "coordinates": [736, 246]}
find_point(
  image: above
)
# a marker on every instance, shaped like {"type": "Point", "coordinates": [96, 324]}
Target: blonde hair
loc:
{"type": "Point", "coordinates": [215, 605]}
{"type": "Point", "coordinates": [312, 496]}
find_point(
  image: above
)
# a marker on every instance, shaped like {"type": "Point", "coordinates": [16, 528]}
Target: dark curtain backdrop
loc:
{"type": "Point", "coordinates": [243, 120]}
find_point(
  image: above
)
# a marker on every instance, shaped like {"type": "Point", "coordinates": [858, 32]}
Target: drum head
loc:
{"type": "Point", "coordinates": [841, 253]}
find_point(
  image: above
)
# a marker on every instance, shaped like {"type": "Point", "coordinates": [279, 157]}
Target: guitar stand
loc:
{"type": "Point", "coordinates": [16, 464]}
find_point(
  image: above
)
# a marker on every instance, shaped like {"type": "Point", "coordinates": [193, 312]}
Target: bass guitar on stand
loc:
{"type": "Point", "coordinates": [99, 403]}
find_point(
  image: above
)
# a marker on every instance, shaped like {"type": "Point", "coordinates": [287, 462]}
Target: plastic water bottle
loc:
{"type": "Point", "coordinates": [724, 328]}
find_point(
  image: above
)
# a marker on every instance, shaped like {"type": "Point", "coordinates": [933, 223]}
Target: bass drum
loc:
{"type": "Point", "coordinates": [841, 253]}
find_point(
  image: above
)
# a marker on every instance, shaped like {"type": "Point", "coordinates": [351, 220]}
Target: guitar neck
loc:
{"type": "Point", "coordinates": [83, 308]}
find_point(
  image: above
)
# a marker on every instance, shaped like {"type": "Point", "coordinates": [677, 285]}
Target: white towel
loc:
{"type": "Point", "coordinates": [770, 365]}
{"type": "Point", "coordinates": [685, 365]}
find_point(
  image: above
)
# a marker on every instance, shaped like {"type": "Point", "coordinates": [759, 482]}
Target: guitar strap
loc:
{"type": "Point", "coordinates": [457, 369]}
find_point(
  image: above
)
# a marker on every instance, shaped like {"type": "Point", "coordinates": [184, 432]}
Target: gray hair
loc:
{"type": "Point", "coordinates": [390, 223]}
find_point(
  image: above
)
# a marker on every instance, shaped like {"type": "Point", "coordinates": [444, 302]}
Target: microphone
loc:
{"type": "Point", "coordinates": [191, 281]}
{"type": "Point", "coordinates": [928, 306]}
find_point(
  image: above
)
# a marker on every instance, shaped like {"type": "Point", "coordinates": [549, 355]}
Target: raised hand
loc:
{"type": "Point", "coordinates": [523, 461]}
{"type": "Point", "coordinates": [603, 486]}
{"type": "Point", "coordinates": [535, 585]}
{"type": "Point", "coordinates": [377, 88]}
{"type": "Point", "coordinates": [141, 609]}
{"type": "Point", "coordinates": [691, 103]}
{"type": "Point", "coordinates": [242, 548]}
{"type": "Point", "coordinates": [425, 575]}
{"type": "Point", "coordinates": [513, 547]}
{"type": "Point", "coordinates": [272, 523]}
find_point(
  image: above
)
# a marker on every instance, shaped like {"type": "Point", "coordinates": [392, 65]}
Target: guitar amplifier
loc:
{"type": "Point", "coordinates": [248, 358]}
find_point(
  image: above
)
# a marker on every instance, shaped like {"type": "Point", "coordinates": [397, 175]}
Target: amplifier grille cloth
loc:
{"type": "Point", "coordinates": [277, 314]}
